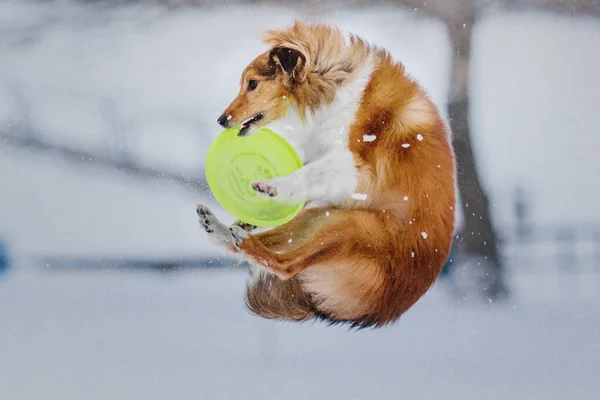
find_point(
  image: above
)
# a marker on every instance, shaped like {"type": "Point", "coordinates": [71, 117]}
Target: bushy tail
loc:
{"type": "Point", "coordinates": [271, 297]}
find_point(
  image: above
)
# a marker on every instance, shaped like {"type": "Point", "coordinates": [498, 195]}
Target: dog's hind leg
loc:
{"type": "Point", "coordinates": [218, 233]}
{"type": "Point", "coordinates": [345, 234]}
{"type": "Point", "coordinates": [281, 238]}
{"type": "Point", "coordinates": [292, 234]}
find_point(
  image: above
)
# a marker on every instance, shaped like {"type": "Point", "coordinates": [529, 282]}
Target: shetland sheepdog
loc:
{"type": "Point", "coordinates": [378, 178]}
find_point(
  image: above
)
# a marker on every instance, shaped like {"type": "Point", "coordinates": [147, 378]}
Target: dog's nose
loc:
{"type": "Point", "coordinates": [224, 120]}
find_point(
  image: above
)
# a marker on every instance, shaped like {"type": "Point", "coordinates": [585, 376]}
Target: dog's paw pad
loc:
{"type": "Point", "coordinates": [264, 189]}
{"type": "Point", "coordinates": [238, 234]}
{"type": "Point", "coordinates": [245, 226]}
{"type": "Point", "coordinates": [205, 217]}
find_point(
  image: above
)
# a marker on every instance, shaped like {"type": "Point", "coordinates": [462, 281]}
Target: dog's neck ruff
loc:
{"type": "Point", "coordinates": [328, 127]}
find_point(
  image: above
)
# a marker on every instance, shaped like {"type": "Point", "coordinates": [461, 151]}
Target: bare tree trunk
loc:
{"type": "Point", "coordinates": [477, 238]}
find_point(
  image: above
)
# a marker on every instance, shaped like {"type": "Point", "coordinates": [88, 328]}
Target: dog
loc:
{"type": "Point", "coordinates": [379, 180]}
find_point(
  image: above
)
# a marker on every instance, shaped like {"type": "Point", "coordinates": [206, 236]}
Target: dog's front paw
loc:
{"type": "Point", "coordinates": [265, 189]}
{"type": "Point", "coordinates": [287, 190]}
{"type": "Point", "coordinates": [238, 234]}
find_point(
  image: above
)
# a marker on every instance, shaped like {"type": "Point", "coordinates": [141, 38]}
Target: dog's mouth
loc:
{"type": "Point", "coordinates": [247, 124]}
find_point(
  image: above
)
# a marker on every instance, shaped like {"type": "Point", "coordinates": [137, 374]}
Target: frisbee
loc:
{"type": "Point", "coordinates": [233, 163]}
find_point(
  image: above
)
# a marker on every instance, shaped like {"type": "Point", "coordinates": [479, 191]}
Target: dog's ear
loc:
{"type": "Point", "coordinates": [292, 63]}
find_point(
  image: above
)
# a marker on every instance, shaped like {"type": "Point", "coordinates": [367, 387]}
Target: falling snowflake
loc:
{"type": "Point", "coordinates": [419, 137]}
{"type": "Point", "coordinates": [424, 234]}
{"type": "Point", "coordinates": [359, 196]}
{"type": "Point", "coordinates": [369, 138]}
{"type": "Point", "coordinates": [290, 240]}
{"type": "Point", "coordinates": [405, 198]}
{"type": "Point", "coordinates": [406, 145]}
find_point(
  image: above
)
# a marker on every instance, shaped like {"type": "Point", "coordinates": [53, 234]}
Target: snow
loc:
{"type": "Point", "coordinates": [424, 234]}
{"type": "Point", "coordinates": [419, 137]}
{"type": "Point", "coordinates": [406, 145]}
{"type": "Point", "coordinates": [125, 335]}
{"type": "Point", "coordinates": [51, 209]}
{"type": "Point", "coordinates": [158, 80]}
{"type": "Point", "coordinates": [369, 138]}
{"type": "Point", "coordinates": [535, 97]}
{"type": "Point", "coordinates": [359, 196]}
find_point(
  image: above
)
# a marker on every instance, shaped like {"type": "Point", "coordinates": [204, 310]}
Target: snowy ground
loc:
{"type": "Point", "coordinates": [140, 335]}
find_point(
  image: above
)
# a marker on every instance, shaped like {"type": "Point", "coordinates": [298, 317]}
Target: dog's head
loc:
{"type": "Point", "coordinates": [304, 67]}
{"type": "Point", "coordinates": [266, 89]}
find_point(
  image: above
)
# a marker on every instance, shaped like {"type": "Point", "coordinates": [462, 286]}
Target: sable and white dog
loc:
{"type": "Point", "coordinates": [378, 175]}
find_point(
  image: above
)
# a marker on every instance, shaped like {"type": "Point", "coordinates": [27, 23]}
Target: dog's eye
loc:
{"type": "Point", "coordinates": [252, 85]}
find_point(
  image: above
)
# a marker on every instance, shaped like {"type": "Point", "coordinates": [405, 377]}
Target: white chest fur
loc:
{"type": "Point", "coordinates": [328, 127]}
{"type": "Point", "coordinates": [329, 175]}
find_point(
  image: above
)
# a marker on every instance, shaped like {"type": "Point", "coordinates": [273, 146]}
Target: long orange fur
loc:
{"type": "Point", "coordinates": [360, 262]}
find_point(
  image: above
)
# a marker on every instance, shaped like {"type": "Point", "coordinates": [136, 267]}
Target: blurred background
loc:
{"type": "Point", "coordinates": [108, 289]}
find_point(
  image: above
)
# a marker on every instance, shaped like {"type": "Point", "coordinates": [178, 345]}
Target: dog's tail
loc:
{"type": "Point", "coordinates": [271, 297]}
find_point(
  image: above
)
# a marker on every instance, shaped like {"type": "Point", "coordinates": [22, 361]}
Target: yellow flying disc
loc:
{"type": "Point", "coordinates": [233, 163]}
